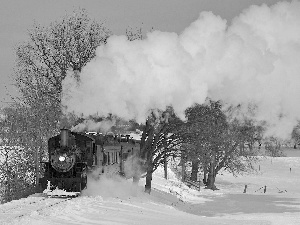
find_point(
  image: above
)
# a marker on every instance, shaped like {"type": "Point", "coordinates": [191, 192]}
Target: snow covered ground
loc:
{"type": "Point", "coordinates": [116, 202]}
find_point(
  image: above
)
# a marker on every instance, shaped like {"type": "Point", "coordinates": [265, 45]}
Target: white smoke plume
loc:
{"type": "Point", "coordinates": [254, 60]}
{"type": "Point", "coordinates": [90, 125]}
{"type": "Point", "coordinates": [133, 166]}
{"type": "Point", "coordinates": [112, 186]}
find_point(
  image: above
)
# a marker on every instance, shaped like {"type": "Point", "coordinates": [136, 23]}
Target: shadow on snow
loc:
{"type": "Point", "coordinates": [243, 204]}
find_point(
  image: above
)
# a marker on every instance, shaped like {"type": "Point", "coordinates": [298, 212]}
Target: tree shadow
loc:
{"type": "Point", "coordinates": [243, 204]}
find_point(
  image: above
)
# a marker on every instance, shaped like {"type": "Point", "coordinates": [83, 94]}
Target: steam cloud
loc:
{"type": "Point", "coordinates": [114, 186]}
{"type": "Point", "coordinates": [255, 60]}
{"type": "Point", "coordinates": [110, 184]}
{"type": "Point", "coordinates": [90, 125]}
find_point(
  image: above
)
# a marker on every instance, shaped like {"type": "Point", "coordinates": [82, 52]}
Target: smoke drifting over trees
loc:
{"type": "Point", "coordinates": [90, 125]}
{"type": "Point", "coordinates": [252, 60]}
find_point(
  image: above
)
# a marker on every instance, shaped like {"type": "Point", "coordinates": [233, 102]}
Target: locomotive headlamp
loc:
{"type": "Point", "coordinates": [62, 158]}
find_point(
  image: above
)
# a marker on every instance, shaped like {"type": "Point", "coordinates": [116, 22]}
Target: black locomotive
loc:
{"type": "Point", "coordinates": [73, 155]}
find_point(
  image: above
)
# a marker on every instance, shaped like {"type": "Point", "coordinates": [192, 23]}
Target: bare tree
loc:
{"type": "Point", "coordinates": [133, 35]}
{"type": "Point", "coordinates": [217, 142]}
{"type": "Point", "coordinates": [159, 142]}
{"type": "Point", "coordinates": [42, 64]}
{"type": "Point", "coordinates": [68, 44]}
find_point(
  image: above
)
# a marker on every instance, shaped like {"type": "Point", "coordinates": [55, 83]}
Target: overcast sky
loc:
{"type": "Point", "coordinates": [16, 16]}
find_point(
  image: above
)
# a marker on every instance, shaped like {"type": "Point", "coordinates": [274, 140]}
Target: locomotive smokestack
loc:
{"type": "Point", "coordinates": [64, 137]}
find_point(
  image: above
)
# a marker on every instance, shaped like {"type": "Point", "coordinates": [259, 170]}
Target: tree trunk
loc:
{"type": "Point", "coordinates": [149, 178]}
{"type": "Point", "coordinates": [205, 174]}
{"type": "Point", "coordinates": [166, 166]}
{"type": "Point", "coordinates": [195, 164]}
{"type": "Point", "coordinates": [211, 181]}
{"type": "Point", "coordinates": [211, 175]}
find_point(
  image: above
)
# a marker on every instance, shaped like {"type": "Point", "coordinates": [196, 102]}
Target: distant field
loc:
{"type": "Point", "coordinates": [290, 152]}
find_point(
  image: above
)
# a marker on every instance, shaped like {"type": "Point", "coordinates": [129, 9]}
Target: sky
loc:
{"type": "Point", "coordinates": [17, 16]}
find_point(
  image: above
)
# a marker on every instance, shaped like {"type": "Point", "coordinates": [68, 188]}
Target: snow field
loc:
{"type": "Point", "coordinates": [116, 201]}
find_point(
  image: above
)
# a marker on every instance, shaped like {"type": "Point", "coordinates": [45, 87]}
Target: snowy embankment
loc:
{"type": "Point", "coordinates": [171, 202]}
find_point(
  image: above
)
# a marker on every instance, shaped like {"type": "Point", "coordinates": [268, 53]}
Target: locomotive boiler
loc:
{"type": "Point", "coordinates": [73, 155]}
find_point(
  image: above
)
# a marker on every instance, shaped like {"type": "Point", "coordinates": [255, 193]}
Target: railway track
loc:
{"type": "Point", "coordinates": [15, 213]}
{"type": "Point", "coordinates": [45, 207]}
{"type": "Point", "coordinates": [9, 209]}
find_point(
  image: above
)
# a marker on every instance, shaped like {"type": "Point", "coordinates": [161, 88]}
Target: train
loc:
{"type": "Point", "coordinates": [73, 155]}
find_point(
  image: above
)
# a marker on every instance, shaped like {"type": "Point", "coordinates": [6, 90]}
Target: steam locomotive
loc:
{"type": "Point", "coordinates": [73, 155]}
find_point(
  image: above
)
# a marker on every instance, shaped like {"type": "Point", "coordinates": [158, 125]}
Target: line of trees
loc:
{"type": "Point", "coordinates": [211, 138]}
{"type": "Point", "coordinates": [219, 141]}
